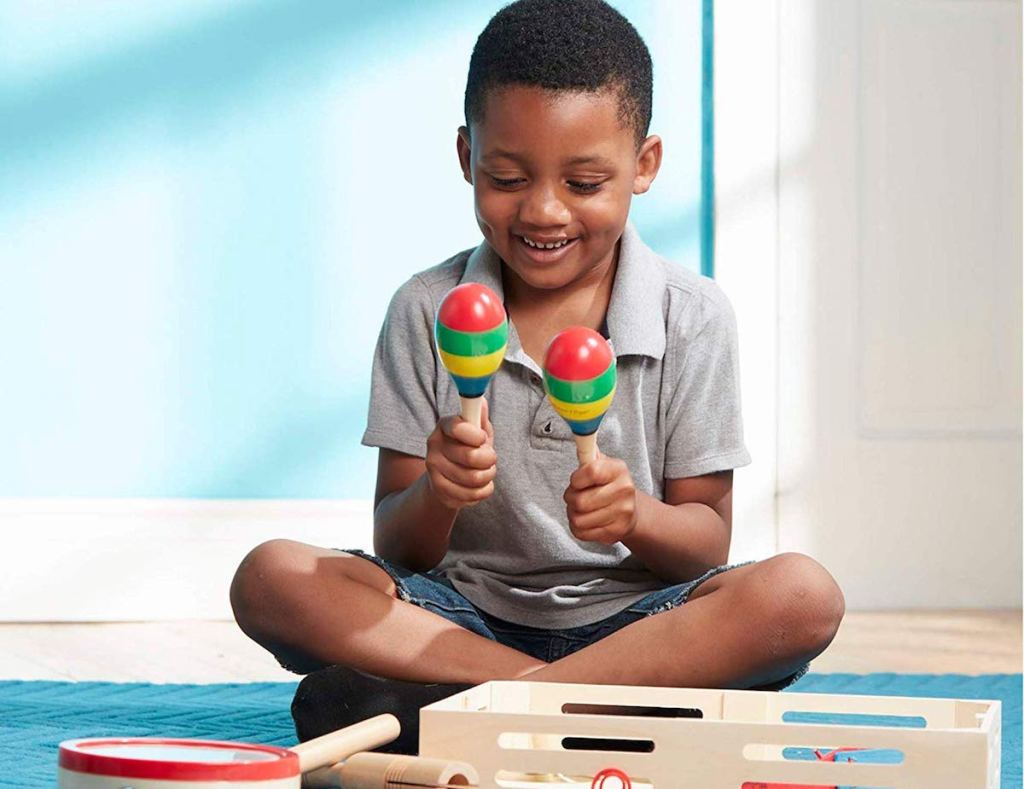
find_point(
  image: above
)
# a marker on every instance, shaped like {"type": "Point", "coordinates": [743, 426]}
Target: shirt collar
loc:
{"type": "Point", "coordinates": [636, 324]}
{"type": "Point", "coordinates": [636, 320]}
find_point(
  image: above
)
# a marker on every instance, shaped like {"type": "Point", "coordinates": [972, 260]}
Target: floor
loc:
{"type": "Point", "coordinates": [933, 642]}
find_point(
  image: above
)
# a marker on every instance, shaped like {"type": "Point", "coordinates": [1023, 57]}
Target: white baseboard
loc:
{"type": "Point", "coordinates": [89, 560]}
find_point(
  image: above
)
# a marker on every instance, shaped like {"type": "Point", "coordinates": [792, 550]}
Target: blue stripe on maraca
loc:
{"type": "Point", "coordinates": [471, 387]}
{"type": "Point", "coordinates": [585, 428]}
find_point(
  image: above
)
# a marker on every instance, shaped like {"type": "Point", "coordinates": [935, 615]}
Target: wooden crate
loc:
{"type": "Point", "coordinates": [521, 734]}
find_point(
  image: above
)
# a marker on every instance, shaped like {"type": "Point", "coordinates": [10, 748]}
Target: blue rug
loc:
{"type": "Point", "coordinates": [36, 716]}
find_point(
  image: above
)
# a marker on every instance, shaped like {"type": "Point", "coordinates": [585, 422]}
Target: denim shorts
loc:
{"type": "Point", "coordinates": [435, 593]}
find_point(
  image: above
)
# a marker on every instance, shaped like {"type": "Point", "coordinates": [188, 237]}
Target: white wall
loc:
{"type": "Point", "coordinates": [147, 560]}
{"type": "Point", "coordinates": [878, 204]}
{"type": "Point", "coordinates": [746, 248]}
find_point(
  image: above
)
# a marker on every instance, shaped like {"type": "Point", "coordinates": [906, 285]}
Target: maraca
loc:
{"type": "Point", "coordinates": [579, 378]}
{"type": "Point", "coordinates": [471, 332]}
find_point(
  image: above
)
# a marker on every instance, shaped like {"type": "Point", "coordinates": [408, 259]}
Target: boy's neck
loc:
{"type": "Point", "coordinates": [540, 314]}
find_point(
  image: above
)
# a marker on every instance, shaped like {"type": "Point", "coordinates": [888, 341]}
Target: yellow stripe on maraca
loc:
{"type": "Point", "coordinates": [473, 366]}
{"type": "Point", "coordinates": [582, 412]}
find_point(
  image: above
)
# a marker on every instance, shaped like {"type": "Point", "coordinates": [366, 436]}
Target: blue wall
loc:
{"type": "Point", "coordinates": [195, 202]}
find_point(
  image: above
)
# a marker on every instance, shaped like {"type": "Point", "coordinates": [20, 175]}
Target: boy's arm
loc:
{"type": "Point", "coordinates": [411, 526]}
{"type": "Point", "coordinates": [417, 499]}
{"type": "Point", "coordinates": [689, 533]}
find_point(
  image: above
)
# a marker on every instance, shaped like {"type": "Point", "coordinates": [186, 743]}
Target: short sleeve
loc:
{"type": "Point", "coordinates": [403, 403]}
{"type": "Point", "coordinates": [704, 426]}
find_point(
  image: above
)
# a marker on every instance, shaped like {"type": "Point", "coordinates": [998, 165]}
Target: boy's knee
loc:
{"type": "Point", "coordinates": [261, 577]}
{"type": "Point", "coordinates": [805, 604]}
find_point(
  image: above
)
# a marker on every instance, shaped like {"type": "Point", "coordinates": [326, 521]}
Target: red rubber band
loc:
{"type": "Point", "coordinates": [610, 772]}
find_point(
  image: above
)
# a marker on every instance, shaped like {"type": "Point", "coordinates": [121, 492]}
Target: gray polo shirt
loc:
{"type": "Point", "coordinates": [676, 413]}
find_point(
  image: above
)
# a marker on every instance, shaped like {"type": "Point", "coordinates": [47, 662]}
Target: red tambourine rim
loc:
{"type": "Point", "coordinates": [610, 772]}
{"type": "Point", "coordinates": [76, 756]}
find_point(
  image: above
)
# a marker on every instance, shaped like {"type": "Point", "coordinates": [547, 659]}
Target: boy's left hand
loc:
{"type": "Point", "coordinates": [601, 501]}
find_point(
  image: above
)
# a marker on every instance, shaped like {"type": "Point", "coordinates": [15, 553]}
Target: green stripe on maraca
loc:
{"type": "Point", "coordinates": [581, 391]}
{"type": "Point", "coordinates": [461, 343]}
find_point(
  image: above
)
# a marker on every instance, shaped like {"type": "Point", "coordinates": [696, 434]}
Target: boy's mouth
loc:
{"type": "Point", "coordinates": [545, 250]}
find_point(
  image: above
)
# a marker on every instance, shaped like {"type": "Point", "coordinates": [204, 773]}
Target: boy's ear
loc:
{"type": "Point", "coordinates": [648, 162]}
{"type": "Point", "coordinates": [464, 149]}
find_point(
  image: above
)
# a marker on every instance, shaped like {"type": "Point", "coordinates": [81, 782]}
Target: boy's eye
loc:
{"type": "Point", "coordinates": [583, 187]}
{"type": "Point", "coordinates": [506, 183]}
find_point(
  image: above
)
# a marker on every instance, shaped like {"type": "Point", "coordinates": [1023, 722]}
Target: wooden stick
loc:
{"type": "Point", "coordinates": [586, 448]}
{"type": "Point", "coordinates": [341, 744]}
{"type": "Point", "coordinates": [472, 410]}
{"type": "Point", "coordinates": [390, 771]}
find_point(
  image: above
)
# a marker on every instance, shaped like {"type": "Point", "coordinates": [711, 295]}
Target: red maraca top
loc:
{"type": "Point", "coordinates": [577, 354]}
{"type": "Point", "coordinates": [471, 307]}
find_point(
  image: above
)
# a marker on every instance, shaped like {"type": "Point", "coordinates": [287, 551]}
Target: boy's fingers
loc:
{"type": "Point", "coordinates": [478, 457]}
{"type": "Point", "coordinates": [458, 429]}
{"type": "Point", "coordinates": [592, 499]}
{"type": "Point", "coordinates": [461, 496]}
{"type": "Point", "coordinates": [580, 478]}
{"type": "Point", "coordinates": [464, 476]}
{"type": "Point", "coordinates": [447, 425]}
{"type": "Point", "coordinates": [600, 471]}
{"type": "Point", "coordinates": [596, 472]}
{"type": "Point", "coordinates": [583, 524]}
{"type": "Point", "coordinates": [469, 434]}
{"type": "Point", "coordinates": [485, 419]}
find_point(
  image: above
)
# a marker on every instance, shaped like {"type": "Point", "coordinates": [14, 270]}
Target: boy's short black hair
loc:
{"type": "Point", "coordinates": [575, 45]}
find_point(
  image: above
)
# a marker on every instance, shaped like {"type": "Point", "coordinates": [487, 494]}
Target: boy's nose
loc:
{"type": "Point", "coordinates": [541, 207]}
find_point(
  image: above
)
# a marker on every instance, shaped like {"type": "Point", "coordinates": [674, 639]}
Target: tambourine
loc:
{"type": "Point", "coordinates": [153, 763]}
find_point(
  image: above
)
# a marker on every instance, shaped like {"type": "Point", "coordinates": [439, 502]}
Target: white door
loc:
{"type": "Point", "coordinates": [899, 297]}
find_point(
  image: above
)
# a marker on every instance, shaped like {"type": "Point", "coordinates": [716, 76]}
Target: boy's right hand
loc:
{"type": "Point", "coordinates": [461, 461]}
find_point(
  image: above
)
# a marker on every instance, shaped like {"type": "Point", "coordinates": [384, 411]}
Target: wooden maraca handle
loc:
{"type": "Point", "coordinates": [472, 410]}
{"type": "Point", "coordinates": [586, 448]}
{"type": "Point", "coordinates": [340, 744]}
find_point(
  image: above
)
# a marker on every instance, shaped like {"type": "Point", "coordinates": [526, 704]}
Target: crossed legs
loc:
{"type": "Point", "coordinates": [749, 626]}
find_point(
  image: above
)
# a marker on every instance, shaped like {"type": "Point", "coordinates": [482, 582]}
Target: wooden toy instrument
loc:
{"type": "Point", "coordinates": [579, 378]}
{"type": "Point", "coordinates": [471, 331]}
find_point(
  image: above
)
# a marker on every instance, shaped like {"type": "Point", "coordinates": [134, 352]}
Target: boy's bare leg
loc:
{"type": "Point", "coordinates": [746, 627]}
{"type": "Point", "coordinates": [749, 626]}
{"type": "Point", "coordinates": [315, 607]}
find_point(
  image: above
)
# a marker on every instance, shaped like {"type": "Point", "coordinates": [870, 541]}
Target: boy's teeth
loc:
{"type": "Point", "coordinates": [555, 245]}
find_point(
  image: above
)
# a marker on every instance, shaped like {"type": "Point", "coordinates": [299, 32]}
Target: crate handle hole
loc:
{"type": "Point", "coordinates": [854, 719]}
{"type": "Point", "coordinates": [777, 785]}
{"type": "Point", "coordinates": [632, 710]}
{"type": "Point", "coordinates": [607, 744]}
{"type": "Point", "coordinates": [768, 752]}
{"type": "Point", "coordinates": [553, 741]}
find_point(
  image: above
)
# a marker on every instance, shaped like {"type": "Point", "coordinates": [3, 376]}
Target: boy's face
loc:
{"type": "Point", "coordinates": [554, 167]}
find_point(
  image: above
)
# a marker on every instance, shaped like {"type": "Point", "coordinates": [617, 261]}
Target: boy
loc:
{"type": "Point", "coordinates": [498, 558]}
